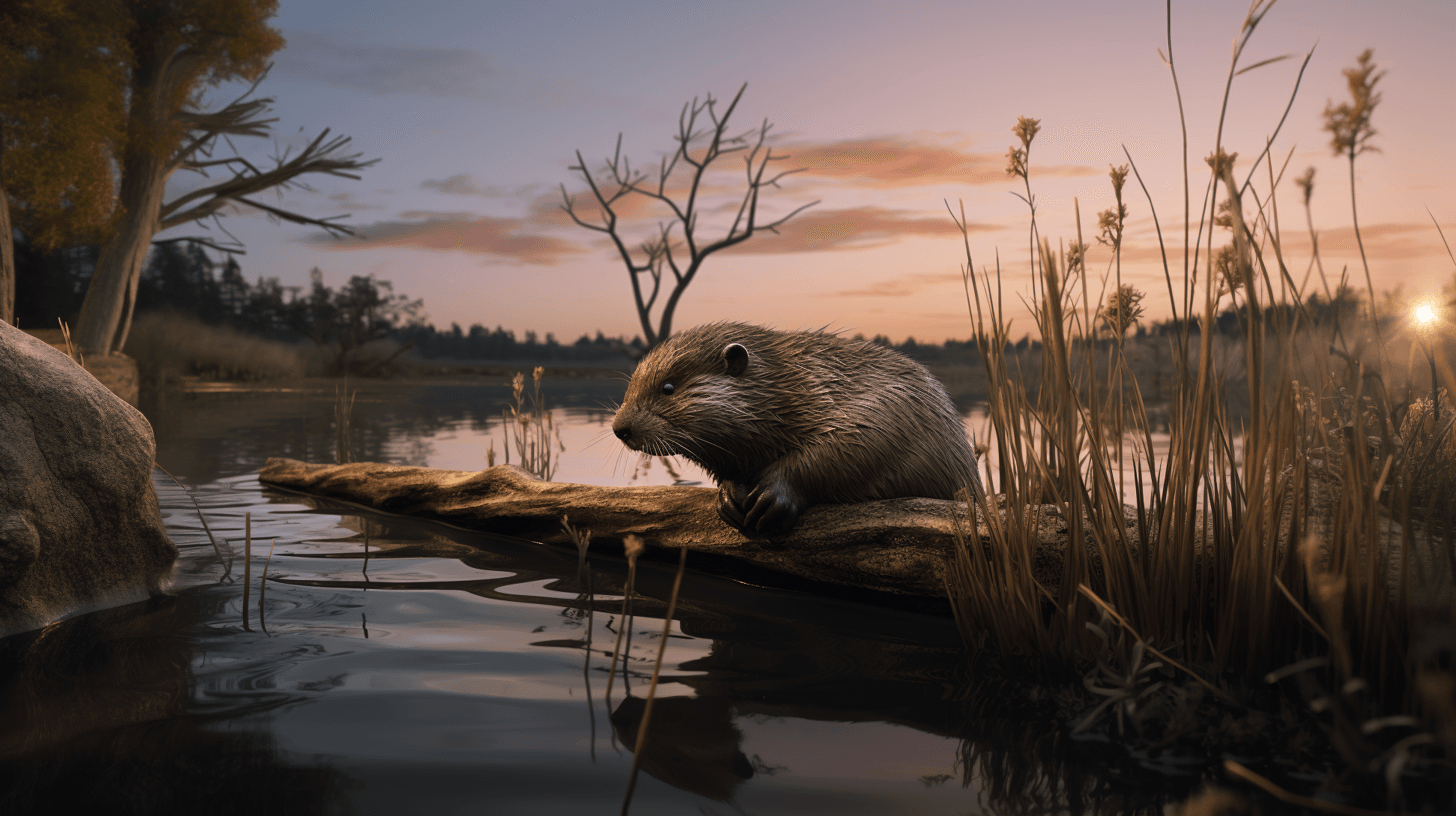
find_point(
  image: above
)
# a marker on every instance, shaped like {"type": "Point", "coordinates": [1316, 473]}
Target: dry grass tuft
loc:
{"type": "Point", "coordinates": [1429, 436]}
{"type": "Point", "coordinates": [168, 345]}
{"type": "Point", "coordinates": [532, 428]}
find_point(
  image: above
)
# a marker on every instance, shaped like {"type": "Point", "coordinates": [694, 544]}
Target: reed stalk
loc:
{"type": "Point", "coordinates": [633, 549]}
{"type": "Point", "coordinates": [247, 565]}
{"type": "Point", "coordinates": [532, 428]}
{"type": "Point", "coordinates": [343, 420]}
{"type": "Point", "coordinates": [656, 673]}
{"type": "Point", "coordinates": [263, 586]}
{"type": "Point", "coordinates": [71, 350]}
{"type": "Point", "coordinates": [217, 548]}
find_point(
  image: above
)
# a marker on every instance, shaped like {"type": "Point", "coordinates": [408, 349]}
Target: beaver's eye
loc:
{"type": "Point", "coordinates": [668, 388]}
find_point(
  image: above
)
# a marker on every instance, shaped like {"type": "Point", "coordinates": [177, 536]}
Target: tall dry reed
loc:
{"type": "Point", "coordinates": [532, 429]}
{"type": "Point", "coordinates": [1286, 549]}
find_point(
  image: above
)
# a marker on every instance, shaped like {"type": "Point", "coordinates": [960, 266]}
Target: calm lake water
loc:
{"type": "Point", "coordinates": [395, 667]}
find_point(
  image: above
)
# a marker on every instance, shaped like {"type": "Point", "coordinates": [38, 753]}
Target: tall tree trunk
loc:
{"type": "Point", "coordinates": [151, 137]}
{"type": "Point", "coordinates": [111, 298]}
{"type": "Point", "coordinates": [7, 262]}
{"type": "Point", "coordinates": [7, 246]}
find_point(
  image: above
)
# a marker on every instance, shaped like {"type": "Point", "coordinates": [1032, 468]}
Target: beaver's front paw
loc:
{"type": "Point", "coordinates": [771, 508]}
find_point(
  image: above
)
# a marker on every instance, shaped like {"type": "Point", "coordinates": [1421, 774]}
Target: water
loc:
{"type": "Point", "coordinates": [390, 666]}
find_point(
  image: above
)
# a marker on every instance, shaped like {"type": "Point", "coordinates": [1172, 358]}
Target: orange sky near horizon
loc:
{"type": "Point", "coordinates": [893, 118]}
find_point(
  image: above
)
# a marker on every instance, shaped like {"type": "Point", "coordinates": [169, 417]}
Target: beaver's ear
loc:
{"type": "Point", "coordinates": [735, 359]}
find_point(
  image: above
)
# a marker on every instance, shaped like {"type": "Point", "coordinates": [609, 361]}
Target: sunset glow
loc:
{"type": "Point", "coordinates": [478, 110]}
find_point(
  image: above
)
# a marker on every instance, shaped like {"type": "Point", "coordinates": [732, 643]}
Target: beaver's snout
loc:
{"type": "Point", "coordinates": [622, 427]}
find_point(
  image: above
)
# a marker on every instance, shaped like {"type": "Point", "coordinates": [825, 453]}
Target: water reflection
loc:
{"type": "Point", "coordinates": [95, 717]}
{"type": "Point", "coordinates": [692, 743]}
{"type": "Point", "coordinates": [206, 435]}
{"type": "Point", "coordinates": [747, 656]}
{"type": "Point", "coordinates": [391, 666]}
{"type": "Point", "coordinates": [396, 651]}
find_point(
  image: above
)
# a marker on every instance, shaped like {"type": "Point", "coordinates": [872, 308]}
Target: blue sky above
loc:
{"type": "Point", "coordinates": [476, 111]}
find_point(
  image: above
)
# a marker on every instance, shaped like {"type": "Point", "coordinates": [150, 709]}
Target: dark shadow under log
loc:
{"type": "Point", "coordinates": [895, 546]}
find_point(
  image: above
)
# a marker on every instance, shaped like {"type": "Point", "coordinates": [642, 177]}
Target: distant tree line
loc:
{"type": "Point", "coordinates": [480, 343]}
{"type": "Point", "coordinates": [181, 276]}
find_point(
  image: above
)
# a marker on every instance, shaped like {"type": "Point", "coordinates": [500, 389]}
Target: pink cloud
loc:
{"type": "Point", "coordinates": [903, 286]}
{"type": "Point", "coordinates": [818, 230]}
{"type": "Point", "coordinates": [509, 238]}
{"type": "Point", "coordinates": [903, 161]}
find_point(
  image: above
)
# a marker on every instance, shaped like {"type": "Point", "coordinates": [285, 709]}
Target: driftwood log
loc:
{"type": "Point", "coordinates": [895, 546]}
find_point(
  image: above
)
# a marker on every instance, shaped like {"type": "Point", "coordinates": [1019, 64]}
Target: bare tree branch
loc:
{"type": "Point", "coordinates": [319, 156]}
{"type": "Point", "coordinates": [241, 117]}
{"type": "Point", "coordinates": [326, 224]}
{"type": "Point", "coordinates": [203, 242]}
{"type": "Point", "coordinates": [700, 146]}
{"type": "Point", "coordinates": [245, 116]}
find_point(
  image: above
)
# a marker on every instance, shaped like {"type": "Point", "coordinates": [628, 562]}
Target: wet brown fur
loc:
{"type": "Point", "coordinates": [813, 418]}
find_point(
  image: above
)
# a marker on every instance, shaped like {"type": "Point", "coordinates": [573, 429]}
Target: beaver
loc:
{"type": "Point", "coordinates": [783, 420]}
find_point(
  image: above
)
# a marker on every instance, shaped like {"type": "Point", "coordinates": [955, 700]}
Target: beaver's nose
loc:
{"type": "Point", "coordinates": [623, 433]}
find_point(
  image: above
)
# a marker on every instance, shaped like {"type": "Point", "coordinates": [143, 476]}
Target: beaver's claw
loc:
{"type": "Point", "coordinates": [732, 496]}
{"type": "Point", "coordinates": [772, 507]}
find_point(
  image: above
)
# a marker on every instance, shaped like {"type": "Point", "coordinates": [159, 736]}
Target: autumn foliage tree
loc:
{"type": "Point", "coordinates": [60, 110]}
{"type": "Point", "coordinates": [155, 59]}
{"type": "Point", "coordinates": [178, 49]}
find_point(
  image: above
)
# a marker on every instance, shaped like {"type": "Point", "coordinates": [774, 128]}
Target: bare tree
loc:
{"type": "Point", "coordinates": [677, 247]}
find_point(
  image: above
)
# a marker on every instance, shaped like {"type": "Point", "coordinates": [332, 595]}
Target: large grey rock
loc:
{"type": "Point", "coordinates": [80, 527]}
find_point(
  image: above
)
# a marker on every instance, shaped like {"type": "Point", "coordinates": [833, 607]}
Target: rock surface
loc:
{"type": "Point", "coordinates": [894, 546]}
{"type": "Point", "coordinates": [114, 370]}
{"type": "Point", "coordinates": [80, 526]}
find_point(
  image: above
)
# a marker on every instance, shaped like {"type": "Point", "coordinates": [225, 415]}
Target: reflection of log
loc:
{"type": "Point", "coordinates": [898, 546]}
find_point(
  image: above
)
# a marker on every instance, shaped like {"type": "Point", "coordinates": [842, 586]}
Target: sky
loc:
{"type": "Point", "coordinates": [892, 116]}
